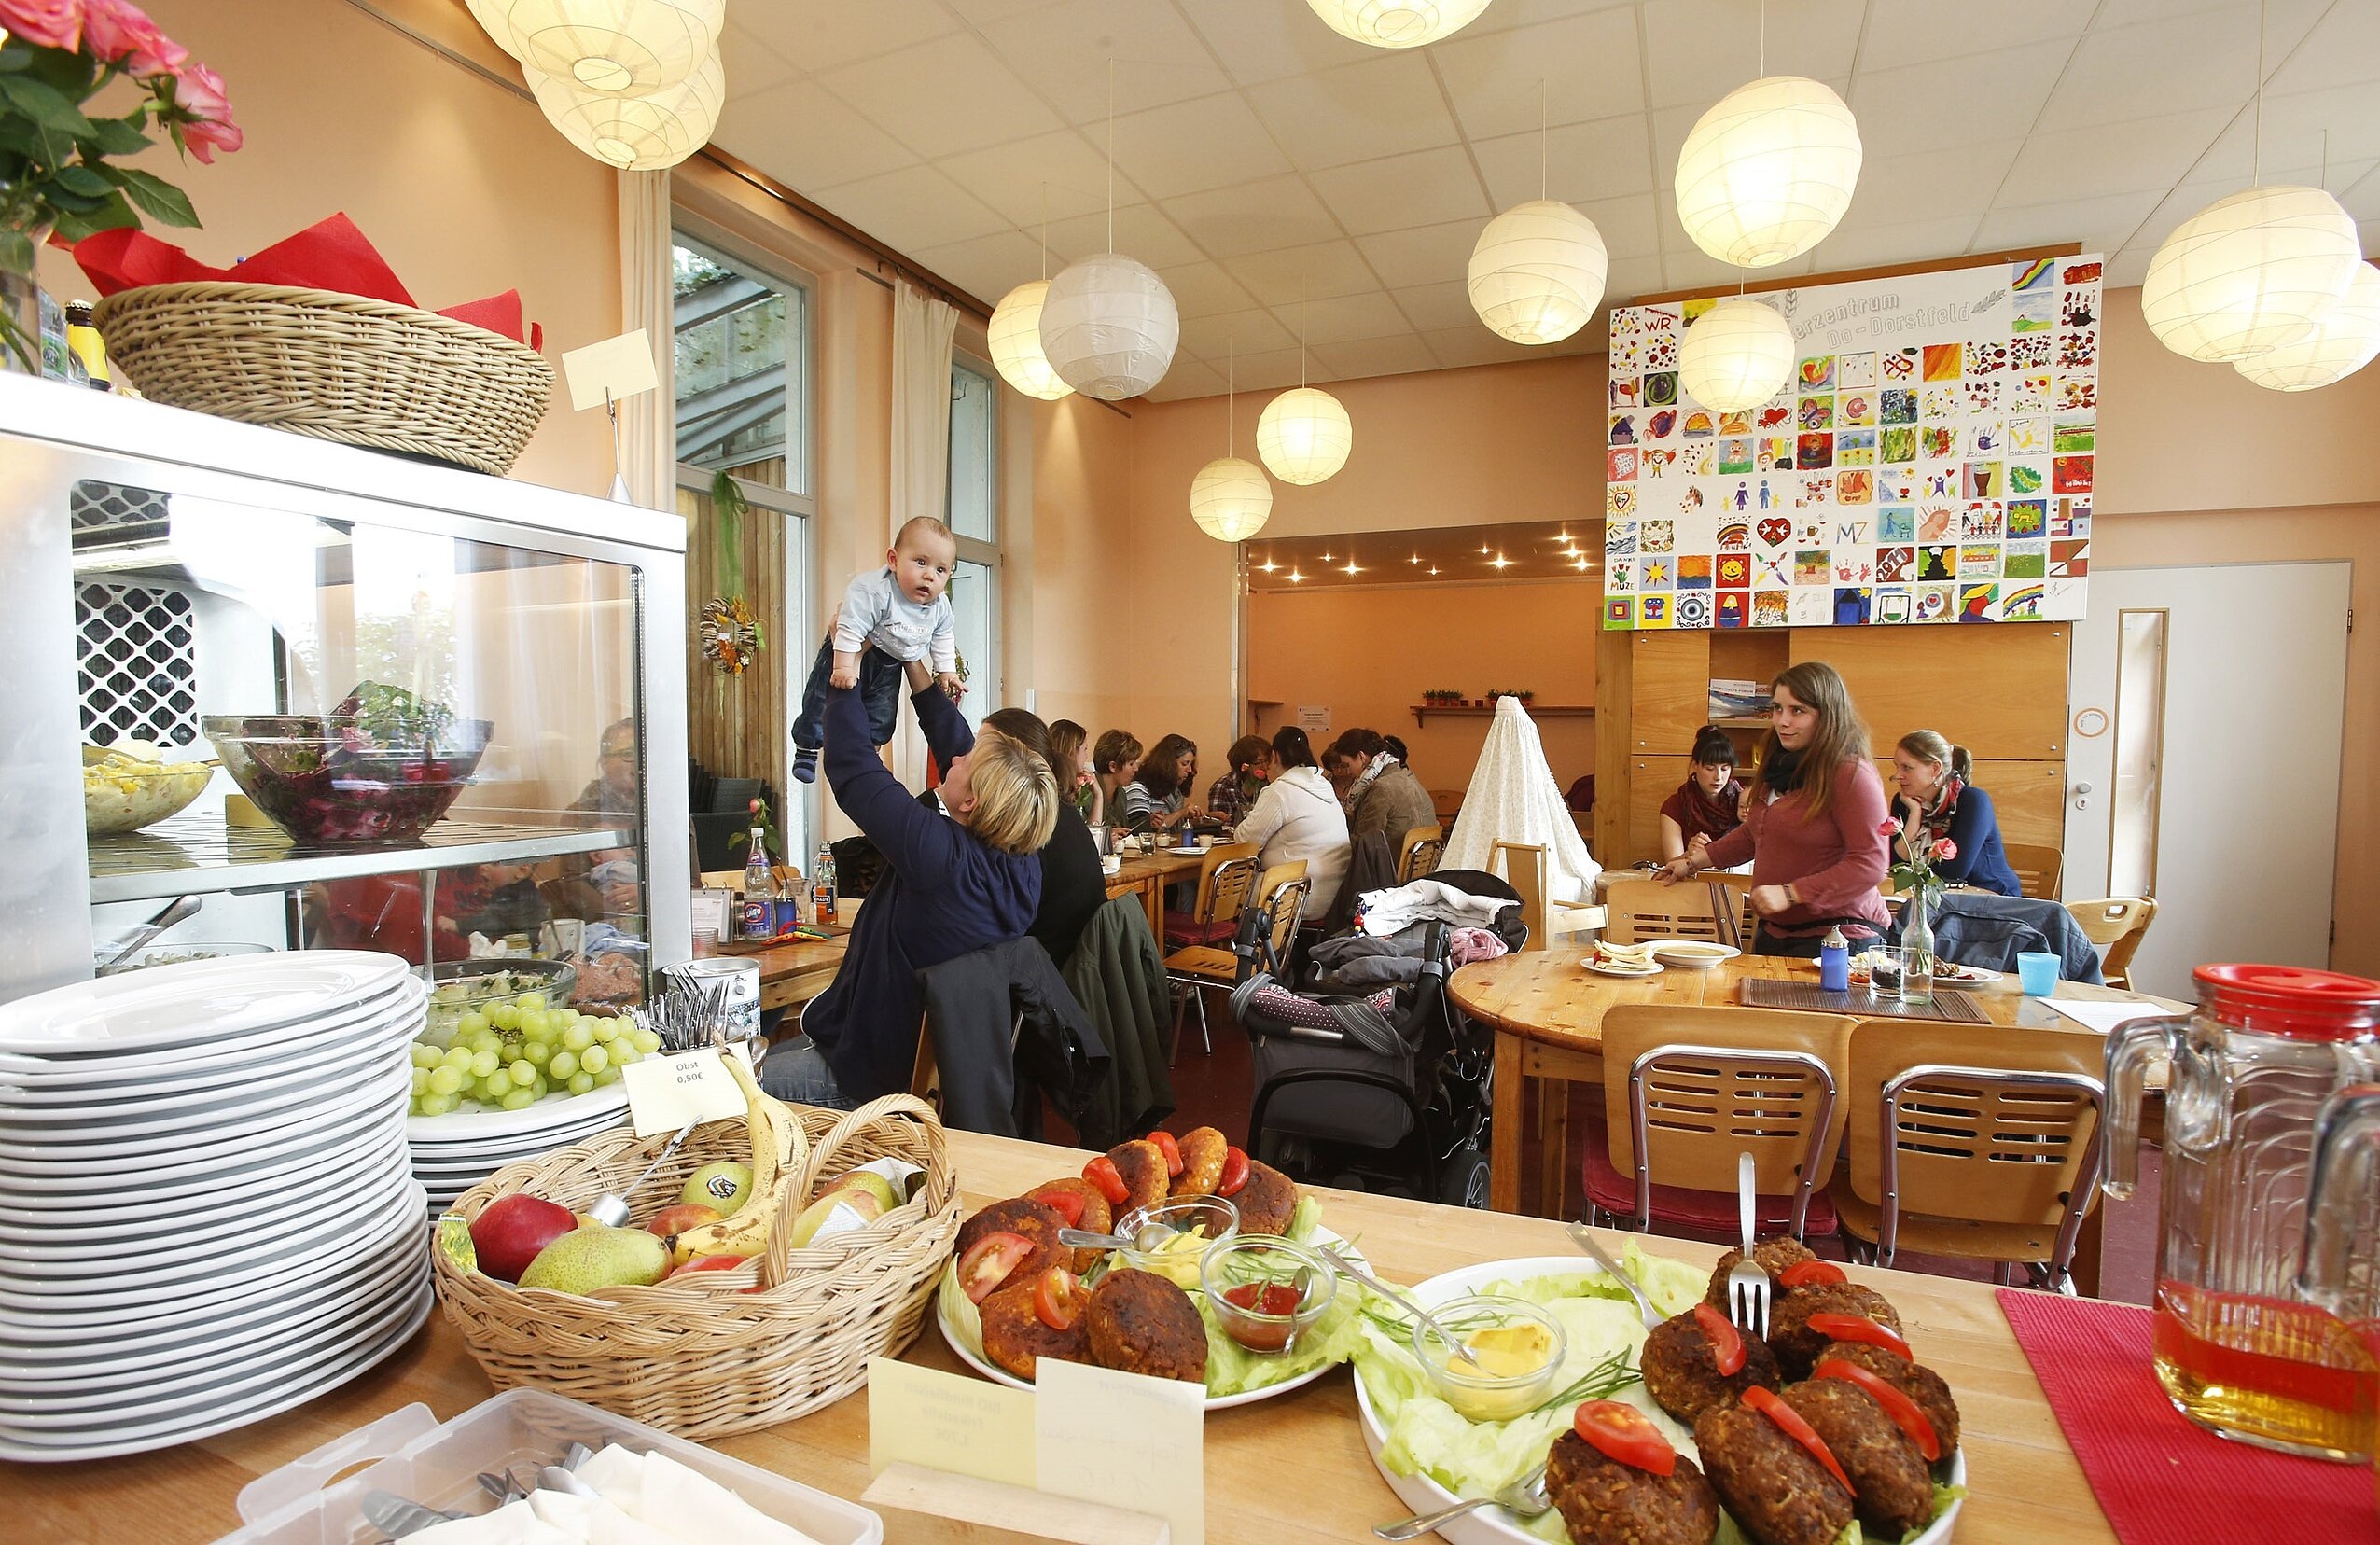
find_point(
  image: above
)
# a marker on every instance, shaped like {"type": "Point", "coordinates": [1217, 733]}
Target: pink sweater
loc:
{"type": "Point", "coordinates": [1834, 861]}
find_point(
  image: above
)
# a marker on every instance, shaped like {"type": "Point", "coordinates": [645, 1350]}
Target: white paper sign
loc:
{"type": "Point", "coordinates": [1313, 720]}
{"type": "Point", "coordinates": [1123, 1439]}
{"type": "Point", "coordinates": [664, 1092]}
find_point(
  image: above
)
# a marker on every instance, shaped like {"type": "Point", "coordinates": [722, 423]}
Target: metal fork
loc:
{"type": "Point", "coordinates": [1748, 1284]}
{"type": "Point", "coordinates": [1523, 1499]}
{"type": "Point", "coordinates": [1654, 1317]}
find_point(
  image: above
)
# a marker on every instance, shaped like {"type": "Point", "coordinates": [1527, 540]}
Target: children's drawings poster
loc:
{"type": "Point", "coordinates": [1929, 461]}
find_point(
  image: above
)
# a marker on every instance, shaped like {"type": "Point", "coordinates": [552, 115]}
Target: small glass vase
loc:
{"type": "Point", "coordinates": [1917, 946]}
{"type": "Point", "coordinates": [25, 342]}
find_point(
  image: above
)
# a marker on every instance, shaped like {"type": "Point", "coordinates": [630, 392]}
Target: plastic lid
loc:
{"type": "Point", "coordinates": [2292, 1000]}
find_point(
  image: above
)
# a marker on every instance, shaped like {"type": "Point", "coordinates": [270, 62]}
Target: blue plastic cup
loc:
{"type": "Point", "coordinates": [2037, 972]}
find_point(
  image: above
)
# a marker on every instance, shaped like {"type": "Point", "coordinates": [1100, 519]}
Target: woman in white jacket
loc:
{"type": "Point", "coordinates": [1299, 816]}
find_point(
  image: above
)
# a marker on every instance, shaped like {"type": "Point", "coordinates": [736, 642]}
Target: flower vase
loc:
{"type": "Point", "coordinates": [26, 336]}
{"type": "Point", "coordinates": [1917, 950]}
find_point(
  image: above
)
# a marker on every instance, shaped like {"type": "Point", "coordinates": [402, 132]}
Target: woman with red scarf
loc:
{"type": "Point", "coordinates": [1937, 799]}
{"type": "Point", "coordinates": [1709, 805]}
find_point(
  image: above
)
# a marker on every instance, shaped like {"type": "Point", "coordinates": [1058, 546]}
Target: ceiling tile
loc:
{"type": "Point", "coordinates": [1063, 51]}
{"type": "Point", "coordinates": [2361, 196]}
{"type": "Point", "coordinates": [1431, 308]}
{"type": "Point", "coordinates": [1267, 40]}
{"type": "Point", "coordinates": [2131, 266]}
{"type": "Point", "coordinates": [1856, 244]}
{"type": "Point", "coordinates": [1142, 232]}
{"type": "Point", "coordinates": [1376, 356]}
{"type": "Point", "coordinates": [752, 65]}
{"type": "Point", "coordinates": [1927, 32]}
{"type": "Point", "coordinates": [1280, 278]}
{"type": "Point", "coordinates": [1901, 110]}
{"type": "Point", "coordinates": [1628, 278]}
{"type": "Point", "coordinates": [822, 34]}
{"type": "Point", "coordinates": [1188, 377]}
{"type": "Point", "coordinates": [1256, 217]}
{"type": "Point", "coordinates": [2101, 225]}
{"type": "Point", "coordinates": [2120, 73]}
{"type": "Point", "coordinates": [2141, 156]}
{"type": "Point", "coordinates": [1242, 333]}
{"type": "Point", "coordinates": [1348, 317]}
{"type": "Point", "coordinates": [1587, 62]}
{"type": "Point", "coordinates": [1358, 112]}
{"type": "Point", "coordinates": [806, 138]}
{"type": "Point", "coordinates": [1699, 50]}
{"type": "Point", "coordinates": [989, 266]}
{"type": "Point", "coordinates": [1422, 188]}
{"type": "Point", "coordinates": [942, 97]}
{"type": "Point", "coordinates": [1685, 266]}
{"type": "Point", "coordinates": [1015, 179]}
{"type": "Point", "coordinates": [2291, 18]}
{"type": "Point", "coordinates": [1204, 289]}
{"type": "Point", "coordinates": [2297, 128]}
{"type": "Point", "coordinates": [1188, 146]}
{"type": "Point", "coordinates": [913, 208]}
{"type": "Point", "coordinates": [1932, 184]}
{"type": "Point", "coordinates": [982, 11]}
{"type": "Point", "coordinates": [1268, 371]}
{"type": "Point", "coordinates": [1603, 159]}
{"type": "Point", "coordinates": [1456, 347]}
{"type": "Point", "coordinates": [2344, 49]}
{"type": "Point", "coordinates": [1424, 255]}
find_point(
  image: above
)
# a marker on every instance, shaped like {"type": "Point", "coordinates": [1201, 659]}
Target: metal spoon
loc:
{"type": "Point", "coordinates": [1654, 1317]}
{"type": "Point", "coordinates": [1151, 1235]}
{"type": "Point", "coordinates": [554, 1478]}
{"type": "Point", "coordinates": [612, 1210]}
{"type": "Point", "coordinates": [396, 1516]}
{"type": "Point", "coordinates": [1523, 1499]}
{"type": "Point", "coordinates": [175, 911]}
{"type": "Point", "coordinates": [1397, 1297]}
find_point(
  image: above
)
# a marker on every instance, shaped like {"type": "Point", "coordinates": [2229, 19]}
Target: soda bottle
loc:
{"type": "Point", "coordinates": [759, 917]}
{"type": "Point", "coordinates": [822, 885]}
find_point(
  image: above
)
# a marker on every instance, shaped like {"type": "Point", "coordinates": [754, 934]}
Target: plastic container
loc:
{"type": "Point", "coordinates": [437, 1465]}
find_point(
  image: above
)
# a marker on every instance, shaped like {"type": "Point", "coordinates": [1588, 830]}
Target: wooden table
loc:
{"type": "Point", "coordinates": [1287, 1469]}
{"type": "Point", "coordinates": [1148, 874]}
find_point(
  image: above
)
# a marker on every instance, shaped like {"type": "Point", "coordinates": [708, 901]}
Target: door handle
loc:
{"type": "Point", "coordinates": [2082, 796]}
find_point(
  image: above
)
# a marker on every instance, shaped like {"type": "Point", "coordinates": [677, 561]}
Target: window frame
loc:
{"type": "Point", "coordinates": [988, 677]}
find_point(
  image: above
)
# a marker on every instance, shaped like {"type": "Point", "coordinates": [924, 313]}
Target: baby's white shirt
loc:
{"type": "Point", "coordinates": [874, 611]}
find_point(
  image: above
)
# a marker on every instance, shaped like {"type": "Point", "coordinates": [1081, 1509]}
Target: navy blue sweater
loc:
{"type": "Point", "coordinates": [1982, 861]}
{"type": "Point", "coordinates": [942, 894]}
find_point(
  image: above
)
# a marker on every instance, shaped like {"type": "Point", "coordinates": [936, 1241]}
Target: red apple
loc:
{"type": "Point", "coordinates": [678, 1218]}
{"type": "Point", "coordinates": [509, 1234]}
{"type": "Point", "coordinates": [711, 1263]}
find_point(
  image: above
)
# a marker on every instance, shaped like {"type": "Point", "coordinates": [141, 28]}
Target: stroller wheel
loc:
{"type": "Point", "coordinates": [1462, 1178]}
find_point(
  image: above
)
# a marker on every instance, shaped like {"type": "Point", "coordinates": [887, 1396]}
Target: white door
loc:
{"type": "Point", "coordinates": [2207, 710]}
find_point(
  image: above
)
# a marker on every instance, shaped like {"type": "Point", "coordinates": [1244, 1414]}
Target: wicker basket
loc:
{"type": "Point", "coordinates": [336, 367]}
{"type": "Point", "coordinates": [721, 1352]}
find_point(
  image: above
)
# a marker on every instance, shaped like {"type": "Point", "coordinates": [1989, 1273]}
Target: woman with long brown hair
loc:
{"type": "Point", "coordinates": [1818, 833]}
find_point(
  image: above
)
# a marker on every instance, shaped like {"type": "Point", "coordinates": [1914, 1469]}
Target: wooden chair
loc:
{"type": "Point", "coordinates": [1978, 1141]}
{"type": "Point", "coordinates": [1637, 909]}
{"type": "Point", "coordinates": [1193, 969]}
{"type": "Point", "coordinates": [2116, 924]}
{"type": "Point", "coordinates": [1704, 1086]}
{"type": "Point", "coordinates": [1739, 889]}
{"type": "Point", "coordinates": [1223, 885]}
{"type": "Point", "coordinates": [1417, 853]}
{"type": "Point", "coordinates": [1523, 866]}
{"type": "Point", "coordinates": [2038, 870]}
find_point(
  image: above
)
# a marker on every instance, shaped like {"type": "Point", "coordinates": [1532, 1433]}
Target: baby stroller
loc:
{"type": "Point", "coordinates": [1388, 1093]}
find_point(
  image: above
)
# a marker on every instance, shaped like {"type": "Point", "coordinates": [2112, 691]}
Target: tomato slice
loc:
{"type": "Point", "coordinates": [1802, 1274]}
{"type": "Point", "coordinates": [1067, 1205]}
{"type": "Point", "coordinates": [1727, 1343]}
{"type": "Point", "coordinates": [1619, 1431]}
{"type": "Point", "coordinates": [1058, 1298]}
{"type": "Point", "coordinates": [1170, 1149]}
{"type": "Point", "coordinates": [1789, 1421]}
{"type": "Point", "coordinates": [1859, 1327]}
{"type": "Point", "coordinates": [1903, 1411]}
{"type": "Point", "coordinates": [1235, 1173]}
{"type": "Point", "coordinates": [988, 1262]}
{"type": "Point", "coordinates": [1107, 1179]}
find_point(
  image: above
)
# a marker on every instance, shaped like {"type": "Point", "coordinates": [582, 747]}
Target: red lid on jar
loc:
{"type": "Point", "coordinates": [2292, 1001]}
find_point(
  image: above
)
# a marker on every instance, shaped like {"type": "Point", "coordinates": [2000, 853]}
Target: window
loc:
{"type": "Point", "coordinates": [973, 512]}
{"type": "Point", "coordinates": [742, 369]}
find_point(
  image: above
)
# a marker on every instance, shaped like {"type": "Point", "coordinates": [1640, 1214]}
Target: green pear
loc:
{"type": "Point", "coordinates": [722, 1184]}
{"type": "Point", "coordinates": [584, 1259]}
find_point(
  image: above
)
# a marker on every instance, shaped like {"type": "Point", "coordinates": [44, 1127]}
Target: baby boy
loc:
{"type": "Point", "coordinates": [900, 609]}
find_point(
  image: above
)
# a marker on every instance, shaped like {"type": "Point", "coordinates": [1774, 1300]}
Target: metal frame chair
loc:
{"type": "Point", "coordinates": [1192, 967]}
{"type": "Point", "coordinates": [1728, 1070]}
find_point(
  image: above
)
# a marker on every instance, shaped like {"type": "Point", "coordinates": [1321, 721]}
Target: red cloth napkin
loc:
{"type": "Point", "coordinates": [2159, 1478]}
{"type": "Point", "coordinates": [332, 255]}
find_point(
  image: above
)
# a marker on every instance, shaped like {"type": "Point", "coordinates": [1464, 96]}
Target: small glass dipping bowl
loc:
{"type": "Point", "coordinates": [1483, 1397]}
{"type": "Point", "coordinates": [1259, 1259]}
{"type": "Point", "coordinates": [1195, 1224]}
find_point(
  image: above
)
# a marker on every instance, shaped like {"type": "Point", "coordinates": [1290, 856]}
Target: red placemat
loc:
{"type": "Point", "coordinates": [2161, 1478]}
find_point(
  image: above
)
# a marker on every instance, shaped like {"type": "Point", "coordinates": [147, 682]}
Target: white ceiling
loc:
{"type": "Point", "coordinates": [1260, 155]}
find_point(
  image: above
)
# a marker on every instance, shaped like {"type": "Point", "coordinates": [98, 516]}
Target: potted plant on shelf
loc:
{"type": "Point", "coordinates": [56, 176]}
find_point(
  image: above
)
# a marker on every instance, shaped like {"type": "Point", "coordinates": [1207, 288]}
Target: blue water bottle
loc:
{"type": "Point", "coordinates": [1834, 962]}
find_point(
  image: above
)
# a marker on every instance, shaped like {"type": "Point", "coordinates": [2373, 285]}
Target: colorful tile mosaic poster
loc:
{"type": "Point", "coordinates": [1929, 461]}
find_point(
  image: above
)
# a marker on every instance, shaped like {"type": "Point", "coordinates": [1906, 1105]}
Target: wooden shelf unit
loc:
{"type": "Point", "coordinates": [1420, 710]}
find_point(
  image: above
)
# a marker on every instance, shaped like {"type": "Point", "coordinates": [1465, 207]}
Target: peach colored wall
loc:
{"type": "Point", "coordinates": [1076, 632]}
{"type": "Point", "coordinates": [1369, 654]}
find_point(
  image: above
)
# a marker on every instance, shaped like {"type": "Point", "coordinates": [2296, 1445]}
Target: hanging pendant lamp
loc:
{"type": "Point", "coordinates": [1015, 334]}
{"type": "Point", "coordinates": [1304, 435]}
{"type": "Point", "coordinates": [1736, 355]}
{"type": "Point", "coordinates": [1767, 173]}
{"type": "Point", "coordinates": [642, 133]}
{"type": "Point", "coordinates": [2342, 343]}
{"type": "Point", "coordinates": [1108, 325]}
{"type": "Point", "coordinates": [1396, 23]}
{"type": "Point", "coordinates": [1538, 270]}
{"type": "Point", "coordinates": [617, 48]}
{"type": "Point", "coordinates": [1229, 498]}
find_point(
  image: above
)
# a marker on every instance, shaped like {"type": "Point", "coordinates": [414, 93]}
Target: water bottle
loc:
{"type": "Point", "coordinates": [759, 915]}
{"type": "Point", "coordinates": [822, 886]}
{"type": "Point", "coordinates": [1834, 962]}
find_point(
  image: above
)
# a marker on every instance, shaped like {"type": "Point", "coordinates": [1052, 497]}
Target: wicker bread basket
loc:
{"type": "Point", "coordinates": [721, 1352]}
{"type": "Point", "coordinates": [336, 367]}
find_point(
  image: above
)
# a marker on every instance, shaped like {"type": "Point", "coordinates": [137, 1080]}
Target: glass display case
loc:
{"type": "Point", "coordinates": [333, 698]}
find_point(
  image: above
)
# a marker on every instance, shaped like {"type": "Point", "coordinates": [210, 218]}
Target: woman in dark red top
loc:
{"type": "Point", "coordinates": [1817, 829]}
{"type": "Point", "coordinates": [1709, 805]}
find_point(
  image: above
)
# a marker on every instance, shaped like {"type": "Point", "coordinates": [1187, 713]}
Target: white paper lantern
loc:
{"type": "Point", "coordinates": [1396, 23]}
{"type": "Point", "coordinates": [618, 48]}
{"type": "Point", "coordinates": [1736, 355]}
{"type": "Point", "coordinates": [1768, 171]}
{"type": "Point", "coordinates": [2342, 343]}
{"type": "Point", "coordinates": [1108, 326]}
{"type": "Point", "coordinates": [2250, 273]}
{"type": "Point", "coordinates": [490, 14]}
{"type": "Point", "coordinates": [1538, 271]}
{"type": "Point", "coordinates": [636, 134]}
{"type": "Point", "coordinates": [1229, 498]}
{"type": "Point", "coordinates": [1014, 337]}
{"type": "Point", "coordinates": [1304, 435]}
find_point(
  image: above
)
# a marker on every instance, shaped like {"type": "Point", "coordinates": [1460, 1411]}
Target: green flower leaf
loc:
{"type": "Point", "coordinates": [116, 137]}
{"type": "Point", "coordinates": [16, 252]}
{"type": "Point", "coordinates": [44, 104]}
{"type": "Point", "coordinates": [113, 213]}
{"type": "Point", "coordinates": [156, 198]}
{"type": "Point", "coordinates": [82, 180]}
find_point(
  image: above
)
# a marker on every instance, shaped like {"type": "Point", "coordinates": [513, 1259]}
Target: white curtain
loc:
{"type": "Point", "coordinates": [1515, 798]}
{"type": "Point", "coordinates": [648, 423]}
{"type": "Point", "coordinates": [923, 329]}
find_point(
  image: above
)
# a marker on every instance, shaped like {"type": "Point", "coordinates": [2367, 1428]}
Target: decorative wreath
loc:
{"type": "Point", "coordinates": [730, 634]}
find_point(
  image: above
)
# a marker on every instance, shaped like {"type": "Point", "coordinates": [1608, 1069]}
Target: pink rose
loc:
{"type": "Point", "coordinates": [210, 129]}
{"type": "Point", "coordinates": [119, 33]}
{"type": "Point", "coordinates": [1945, 849]}
{"type": "Point", "coordinates": [43, 23]}
{"type": "Point", "coordinates": [1888, 829]}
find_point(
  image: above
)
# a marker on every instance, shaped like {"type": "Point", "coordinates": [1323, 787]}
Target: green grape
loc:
{"type": "Point", "coordinates": [436, 1104]}
{"type": "Point", "coordinates": [504, 1016]}
{"type": "Point", "coordinates": [579, 1037]}
{"type": "Point", "coordinates": [536, 1054]}
{"type": "Point", "coordinates": [625, 1054]}
{"type": "Point", "coordinates": [594, 1059]}
{"type": "Point", "coordinates": [446, 1079]}
{"type": "Point", "coordinates": [609, 1075]}
{"type": "Point", "coordinates": [423, 1055]}
{"type": "Point", "coordinates": [648, 1041]}
{"type": "Point", "coordinates": [539, 1088]}
{"type": "Point", "coordinates": [457, 1056]}
{"type": "Point", "coordinates": [522, 1074]}
{"type": "Point", "coordinates": [520, 1099]}
{"type": "Point", "coordinates": [484, 1064]}
{"type": "Point", "coordinates": [421, 1079]}
{"type": "Point", "coordinates": [531, 1002]}
{"type": "Point", "coordinates": [536, 1022]}
{"type": "Point", "coordinates": [471, 1023]}
{"type": "Point", "coordinates": [607, 1030]}
{"type": "Point", "coordinates": [494, 1087]}
{"type": "Point", "coordinates": [563, 1065]}
{"type": "Point", "coordinates": [581, 1082]}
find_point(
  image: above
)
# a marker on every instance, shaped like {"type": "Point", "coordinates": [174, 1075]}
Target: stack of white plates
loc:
{"type": "Point", "coordinates": [454, 1153]}
{"type": "Point", "coordinates": [206, 1215]}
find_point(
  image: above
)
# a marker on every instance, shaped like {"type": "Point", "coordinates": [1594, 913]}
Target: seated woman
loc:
{"type": "Point", "coordinates": [1297, 816]}
{"type": "Point", "coordinates": [1115, 761]}
{"type": "Point", "coordinates": [1381, 793]}
{"type": "Point", "coordinates": [1158, 797]}
{"type": "Point", "coordinates": [1231, 796]}
{"type": "Point", "coordinates": [1709, 804]}
{"type": "Point", "coordinates": [1070, 757]}
{"type": "Point", "coordinates": [1937, 799]}
{"type": "Point", "coordinates": [950, 886]}
{"type": "Point", "coordinates": [1073, 886]}
{"type": "Point", "coordinates": [1815, 830]}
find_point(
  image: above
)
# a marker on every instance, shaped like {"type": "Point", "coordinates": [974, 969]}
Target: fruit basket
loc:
{"type": "Point", "coordinates": [717, 1352]}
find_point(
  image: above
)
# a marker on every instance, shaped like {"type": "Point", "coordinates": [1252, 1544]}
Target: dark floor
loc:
{"type": "Point", "coordinates": [1214, 1091]}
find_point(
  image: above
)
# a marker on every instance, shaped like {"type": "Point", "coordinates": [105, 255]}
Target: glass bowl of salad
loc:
{"type": "Point", "coordinates": [381, 766]}
{"type": "Point", "coordinates": [460, 988]}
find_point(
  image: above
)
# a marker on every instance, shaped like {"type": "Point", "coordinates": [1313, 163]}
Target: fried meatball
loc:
{"type": "Point", "coordinates": [1605, 1502]}
{"type": "Point", "coordinates": [1774, 1488]}
{"type": "Point", "coordinates": [1921, 1383]}
{"type": "Point", "coordinates": [1795, 1343]}
{"type": "Point", "coordinates": [1015, 1338]}
{"type": "Point", "coordinates": [1203, 1149]}
{"type": "Point", "coordinates": [1894, 1494]}
{"type": "Point", "coordinates": [1681, 1369]}
{"type": "Point", "coordinates": [1038, 1221]}
{"type": "Point", "coordinates": [1097, 1218]}
{"type": "Point", "coordinates": [1773, 1255]}
{"type": "Point", "coordinates": [1267, 1201]}
{"type": "Point", "coordinates": [1147, 1181]}
{"type": "Point", "coordinates": [1139, 1322]}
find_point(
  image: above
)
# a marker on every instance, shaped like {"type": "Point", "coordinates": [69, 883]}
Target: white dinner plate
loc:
{"type": "Point", "coordinates": [404, 1006]}
{"type": "Point", "coordinates": [1493, 1526]}
{"type": "Point", "coordinates": [94, 1081]}
{"type": "Point", "coordinates": [197, 1000]}
{"type": "Point", "coordinates": [29, 1167]}
{"type": "Point", "coordinates": [186, 1133]}
{"type": "Point", "coordinates": [1601, 969]}
{"type": "Point", "coordinates": [477, 1127]}
{"type": "Point", "coordinates": [526, 1145]}
{"type": "Point", "coordinates": [137, 1224]}
{"type": "Point", "coordinates": [273, 1086]}
{"type": "Point", "coordinates": [1951, 970]}
{"type": "Point", "coordinates": [1692, 954]}
{"type": "Point", "coordinates": [25, 1201]}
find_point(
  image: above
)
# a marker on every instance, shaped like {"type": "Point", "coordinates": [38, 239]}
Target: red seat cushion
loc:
{"type": "Point", "coordinates": [1182, 928]}
{"type": "Point", "coordinates": [1615, 1192]}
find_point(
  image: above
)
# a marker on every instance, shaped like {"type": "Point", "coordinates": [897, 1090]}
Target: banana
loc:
{"type": "Point", "coordinates": [746, 1232]}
